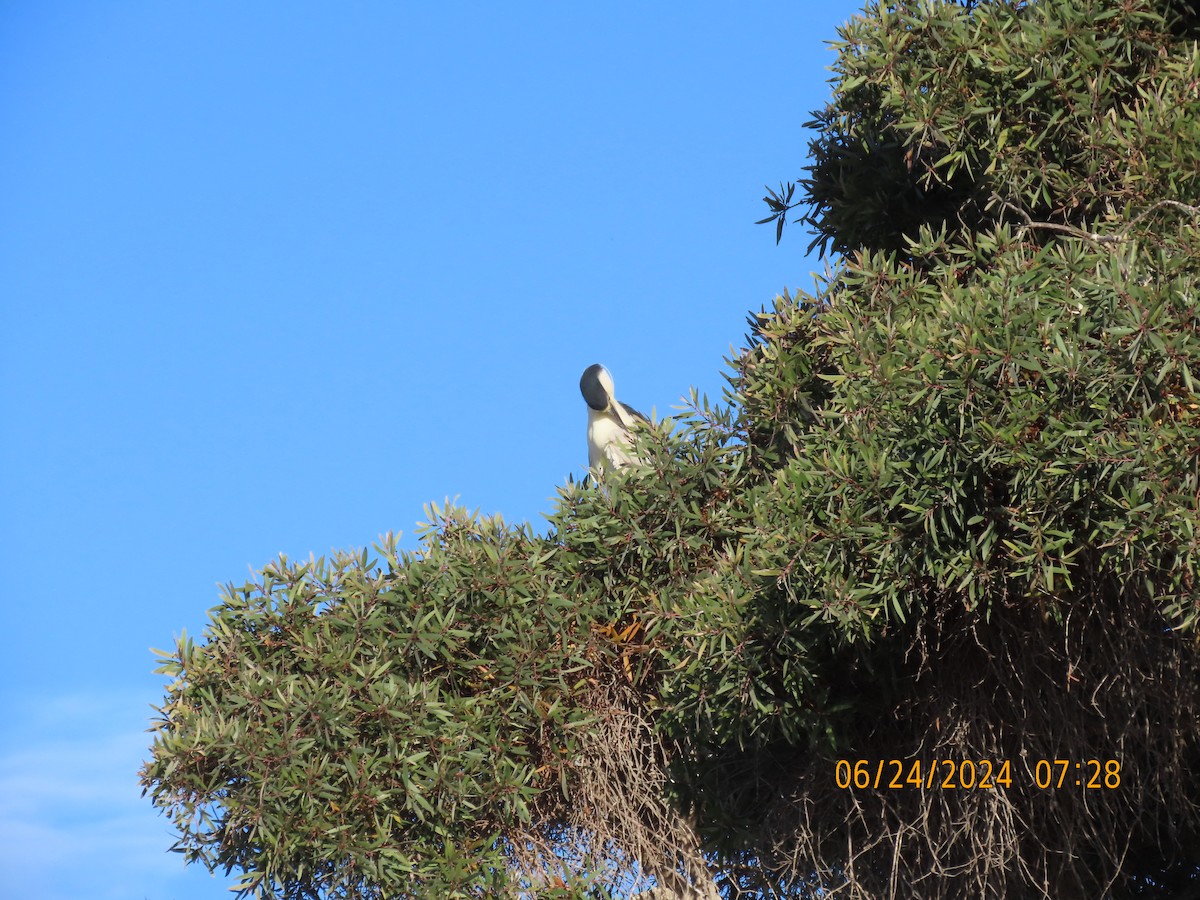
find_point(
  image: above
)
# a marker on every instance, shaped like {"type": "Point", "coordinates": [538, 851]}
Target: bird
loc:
{"type": "Point", "coordinates": [610, 422]}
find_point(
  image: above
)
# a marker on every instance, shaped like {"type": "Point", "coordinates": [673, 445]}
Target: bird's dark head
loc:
{"type": "Point", "coordinates": [596, 385]}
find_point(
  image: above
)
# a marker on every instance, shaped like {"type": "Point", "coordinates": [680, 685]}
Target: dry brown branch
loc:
{"type": "Point", "coordinates": [618, 814]}
{"type": "Point", "coordinates": [1111, 682]}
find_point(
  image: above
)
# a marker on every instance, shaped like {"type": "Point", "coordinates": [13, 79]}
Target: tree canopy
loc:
{"type": "Point", "coordinates": [950, 513]}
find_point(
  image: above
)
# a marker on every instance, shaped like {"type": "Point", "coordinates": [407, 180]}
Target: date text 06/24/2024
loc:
{"type": "Point", "coordinates": [967, 774]}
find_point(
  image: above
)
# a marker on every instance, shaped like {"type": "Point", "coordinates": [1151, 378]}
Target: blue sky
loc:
{"type": "Point", "coordinates": [274, 276]}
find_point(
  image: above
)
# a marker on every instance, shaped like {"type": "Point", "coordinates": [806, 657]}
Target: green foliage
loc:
{"type": "Point", "coordinates": [1004, 427]}
{"type": "Point", "coordinates": [952, 513]}
{"type": "Point", "coordinates": [415, 725]}
{"type": "Point", "coordinates": [347, 726]}
{"type": "Point", "coordinates": [1066, 111]}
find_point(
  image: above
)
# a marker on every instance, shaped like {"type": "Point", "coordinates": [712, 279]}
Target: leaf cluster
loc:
{"type": "Point", "coordinates": [353, 723]}
{"type": "Point", "coordinates": [1002, 427]}
{"type": "Point", "coordinates": [946, 117]}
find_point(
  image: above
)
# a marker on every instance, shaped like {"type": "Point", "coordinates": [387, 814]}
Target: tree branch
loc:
{"type": "Point", "coordinates": [1122, 235]}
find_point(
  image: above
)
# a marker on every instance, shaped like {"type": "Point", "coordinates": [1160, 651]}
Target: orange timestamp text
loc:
{"type": "Point", "coordinates": [968, 774]}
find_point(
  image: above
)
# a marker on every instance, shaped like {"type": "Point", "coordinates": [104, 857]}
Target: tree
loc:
{"type": "Point", "coordinates": [950, 517]}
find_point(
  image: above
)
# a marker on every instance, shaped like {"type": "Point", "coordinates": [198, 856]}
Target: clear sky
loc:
{"type": "Point", "coordinates": [273, 276]}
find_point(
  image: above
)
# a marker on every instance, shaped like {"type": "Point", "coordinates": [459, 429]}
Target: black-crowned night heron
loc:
{"type": "Point", "coordinates": [610, 422]}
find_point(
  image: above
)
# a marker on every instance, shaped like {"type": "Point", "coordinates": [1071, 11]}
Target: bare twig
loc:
{"type": "Point", "coordinates": [618, 813]}
{"type": "Point", "coordinates": [1095, 237]}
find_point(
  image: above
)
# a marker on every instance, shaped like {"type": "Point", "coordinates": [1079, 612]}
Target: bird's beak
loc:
{"type": "Point", "coordinates": [623, 417]}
